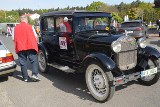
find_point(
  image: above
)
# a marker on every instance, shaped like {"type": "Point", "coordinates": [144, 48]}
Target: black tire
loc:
{"type": "Point", "coordinates": [11, 74]}
{"type": "Point", "coordinates": [99, 80]}
{"type": "Point", "coordinates": [42, 62]}
{"type": "Point", "coordinates": [3, 78]}
{"type": "Point", "coordinates": [148, 81]}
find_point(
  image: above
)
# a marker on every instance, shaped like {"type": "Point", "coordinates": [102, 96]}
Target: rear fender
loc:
{"type": "Point", "coordinates": [42, 47]}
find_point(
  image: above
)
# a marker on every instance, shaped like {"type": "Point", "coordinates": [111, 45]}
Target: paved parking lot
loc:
{"type": "Point", "coordinates": [58, 89]}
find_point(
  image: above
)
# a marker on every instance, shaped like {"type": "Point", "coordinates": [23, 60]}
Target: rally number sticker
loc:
{"type": "Point", "coordinates": [63, 43]}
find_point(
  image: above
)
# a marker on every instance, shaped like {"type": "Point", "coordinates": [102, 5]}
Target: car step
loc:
{"type": "Point", "coordinates": [62, 68]}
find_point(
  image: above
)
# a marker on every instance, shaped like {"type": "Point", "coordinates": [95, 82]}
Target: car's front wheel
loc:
{"type": "Point", "coordinates": [42, 62]}
{"type": "Point", "coordinates": [152, 79]}
{"type": "Point", "coordinates": [98, 82]}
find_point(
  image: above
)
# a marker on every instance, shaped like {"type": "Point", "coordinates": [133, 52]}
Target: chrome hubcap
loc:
{"type": "Point", "coordinates": [98, 82]}
{"type": "Point", "coordinates": [42, 61]}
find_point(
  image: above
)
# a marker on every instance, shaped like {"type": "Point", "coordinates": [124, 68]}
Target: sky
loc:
{"type": "Point", "coordinates": [46, 4]}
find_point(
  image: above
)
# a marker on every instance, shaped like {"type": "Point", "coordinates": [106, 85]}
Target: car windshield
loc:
{"type": "Point", "coordinates": [91, 23]}
{"type": "Point", "coordinates": [130, 24]}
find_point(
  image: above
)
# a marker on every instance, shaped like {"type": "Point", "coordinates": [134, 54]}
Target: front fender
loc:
{"type": "Point", "coordinates": [151, 52]}
{"type": "Point", "coordinates": [101, 58]}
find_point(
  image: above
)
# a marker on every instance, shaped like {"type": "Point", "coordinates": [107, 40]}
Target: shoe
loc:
{"type": "Point", "coordinates": [26, 80]}
{"type": "Point", "coordinates": [35, 78]}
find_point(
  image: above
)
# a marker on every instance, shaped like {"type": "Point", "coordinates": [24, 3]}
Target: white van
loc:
{"type": "Point", "coordinates": [3, 27]}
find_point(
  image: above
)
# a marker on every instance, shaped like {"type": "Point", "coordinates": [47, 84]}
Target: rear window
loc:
{"type": "Point", "coordinates": [130, 24]}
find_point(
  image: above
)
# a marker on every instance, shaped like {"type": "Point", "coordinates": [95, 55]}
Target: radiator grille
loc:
{"type": "Point", "coordinates": [127, 58]}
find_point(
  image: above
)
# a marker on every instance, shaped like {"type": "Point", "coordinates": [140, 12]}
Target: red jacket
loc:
{"type": "Point", "coordinates": [24, 38]}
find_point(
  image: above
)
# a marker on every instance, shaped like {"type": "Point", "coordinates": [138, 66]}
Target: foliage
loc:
{"type": "Point", "coordinates": [132, 14]}
{"type": "Point", "coordinates": [8, 16]}
{"type": "Point", "coordinates": [135, 10]}
{"type": "Point", "coordinates": [30, 21]}
{"type": "Point", "coordinates": [117, 17]}
{"type": "Point", "coordinates": [95, 6]}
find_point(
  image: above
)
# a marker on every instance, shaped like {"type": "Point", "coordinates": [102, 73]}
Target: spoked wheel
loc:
{"type": "Point", "coordinates": [152, 79]}
{"type": "Point", "coordinates": [98, 83]}
{"type": "Point", "coordinates": [42, 62]}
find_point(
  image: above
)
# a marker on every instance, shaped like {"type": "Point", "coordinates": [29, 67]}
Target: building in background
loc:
{"type": "Point", "coordinates": [32, 16]}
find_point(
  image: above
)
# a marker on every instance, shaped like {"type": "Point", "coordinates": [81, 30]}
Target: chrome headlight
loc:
{"type": "Point", "coordinates": [142, 42]}
{"type": "Point", "coordinates": [116, 46]}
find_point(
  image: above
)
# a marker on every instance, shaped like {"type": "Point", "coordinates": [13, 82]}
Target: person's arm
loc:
{"type": "Point", "coordinates": [13, 34]}
{"type": "Point", "coordinates": [35, 34]}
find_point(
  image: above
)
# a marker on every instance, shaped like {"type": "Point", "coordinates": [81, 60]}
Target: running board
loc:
{"type": "Point", "coordinates": [62, 68]}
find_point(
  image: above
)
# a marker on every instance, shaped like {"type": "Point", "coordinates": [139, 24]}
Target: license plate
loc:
{"type": "Point", "coordinates": [148, 72]}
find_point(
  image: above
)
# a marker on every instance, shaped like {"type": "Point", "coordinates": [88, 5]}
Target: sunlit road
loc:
{"type": "Point", "coordinates": [58, 89]}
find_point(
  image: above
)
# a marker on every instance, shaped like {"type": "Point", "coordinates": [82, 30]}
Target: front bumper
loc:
{"type": "Point", "coordinates": [126, 78]}
{"type": "Point", "coordinates": [134, 76]}
{"type": "Point", "coordinates": [8, 70]}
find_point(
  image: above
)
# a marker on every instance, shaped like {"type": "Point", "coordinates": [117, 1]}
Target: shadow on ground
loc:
{"type": "Point", "coordinates": [73, 83]}
{"type": "Point", "coordinates": [156, 42]}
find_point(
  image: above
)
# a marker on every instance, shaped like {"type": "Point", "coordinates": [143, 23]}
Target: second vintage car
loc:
{"type": "Point", "coordinates": [83, 42]}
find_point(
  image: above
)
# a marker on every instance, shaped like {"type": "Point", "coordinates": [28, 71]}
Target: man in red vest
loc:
{"type": "Point", "coordinates": [26, 47]}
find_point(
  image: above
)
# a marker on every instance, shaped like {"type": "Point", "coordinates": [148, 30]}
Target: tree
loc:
{"type": "Point", "coordinates": [132, 14]}
{"type": "Point", "coordinates": [95, 6]}
{"type": "Point", "coordinates": [123, 9]}
{"type": "Point", "coordinates": [146, 12]}
{"type": "Point", "coordinates": [109, 9]}
{"type": "Point", "coordinates": [117, 17]}
{"type": "Point", "coordinates": [30, 21]}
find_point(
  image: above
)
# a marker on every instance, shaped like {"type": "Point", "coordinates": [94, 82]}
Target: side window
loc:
{"type": "Point", "coordinates": [48, 24]}
{"type": "Point", "coordinates": [63, 24]}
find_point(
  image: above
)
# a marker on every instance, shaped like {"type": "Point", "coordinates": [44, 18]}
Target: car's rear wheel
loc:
{"type": "Point", "coordinates": [98, 82]}
{"type": "Point", "coordinates": [152, 79]}
{"type": "Point", "coordinates": [42, 62]}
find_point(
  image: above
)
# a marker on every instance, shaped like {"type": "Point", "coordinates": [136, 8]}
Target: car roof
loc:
{"type": "Point", "coordinates": [72, 12]}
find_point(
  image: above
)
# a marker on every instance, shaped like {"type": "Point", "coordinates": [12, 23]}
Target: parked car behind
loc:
{"type": "Point", "coordinates": [7, 63]}
{"type": "Point", "coordinates": [135, 28]}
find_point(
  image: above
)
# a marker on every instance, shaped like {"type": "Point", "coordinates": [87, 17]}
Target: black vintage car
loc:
{"type": "Point", "coordinates": [84, 42]}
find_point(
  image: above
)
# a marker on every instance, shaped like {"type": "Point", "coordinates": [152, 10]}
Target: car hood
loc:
{"type": "Point", "coordinates": [102, 38]}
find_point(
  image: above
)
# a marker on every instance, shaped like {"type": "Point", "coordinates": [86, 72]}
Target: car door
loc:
{"type": "Point", "coordinates": [48, 34]}
{"type": "Point", "coordinates": [65, 38]}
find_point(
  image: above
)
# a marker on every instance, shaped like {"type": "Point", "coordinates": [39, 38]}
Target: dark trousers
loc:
{"type": "Point", "coordinates": [32, 56]}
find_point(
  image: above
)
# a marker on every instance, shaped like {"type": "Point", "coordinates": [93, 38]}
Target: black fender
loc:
{"type": "Point", "coordinates": [145, 53]}
{"type": "Point", "coordinates": [42, 47]}
{"type": "Point", "coordinates": [151, 52]}
{"type": "Point", "coordinates": [102, 59]}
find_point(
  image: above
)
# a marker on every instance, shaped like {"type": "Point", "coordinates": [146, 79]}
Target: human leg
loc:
{"type": "Point", "coordinates": [22, 57]}
{"type": "Point", "coordinates": [33, 58]}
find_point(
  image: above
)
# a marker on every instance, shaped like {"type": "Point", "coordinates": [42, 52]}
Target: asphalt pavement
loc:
{"type": "Point", "coordinates": [59, 89]}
